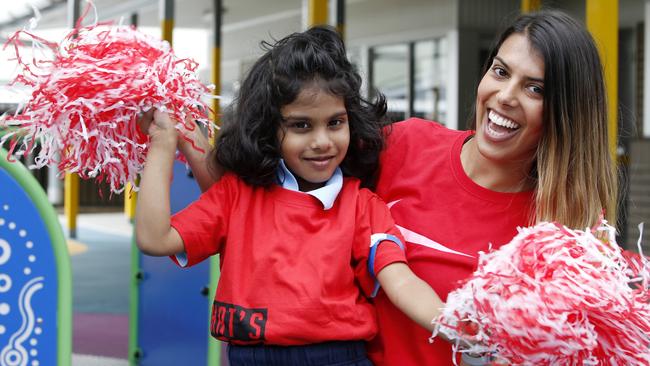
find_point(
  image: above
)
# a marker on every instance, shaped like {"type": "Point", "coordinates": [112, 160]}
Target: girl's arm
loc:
{"type": "Point", "coordinates": [417, 300]}
{"type": "Point", "coordinates": [154, 235]}
{"type": "Point", "coordinates": [410, 294]}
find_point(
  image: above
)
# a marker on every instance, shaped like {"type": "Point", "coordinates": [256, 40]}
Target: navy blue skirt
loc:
{"type": "Point", "coordinates": [350, 353]}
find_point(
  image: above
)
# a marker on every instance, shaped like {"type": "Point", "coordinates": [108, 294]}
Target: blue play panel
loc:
{"type": "Point", "coordinates": [30, 307]}
{"type": "Point", "coordinates": [173, 304]}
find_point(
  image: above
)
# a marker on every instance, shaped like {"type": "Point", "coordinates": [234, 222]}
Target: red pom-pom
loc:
{"type": "Point", "coordinates": [87, 97]}
{"type": "Point", "coordinates": [555, 296]}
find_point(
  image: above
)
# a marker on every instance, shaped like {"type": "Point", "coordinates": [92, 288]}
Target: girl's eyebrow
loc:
{"type": "Point", "coordinates": [538, 80]}
{"type": "Point", "coordinates": [340, 113]}
{"type": "Point", "coordinates": [294, 117]}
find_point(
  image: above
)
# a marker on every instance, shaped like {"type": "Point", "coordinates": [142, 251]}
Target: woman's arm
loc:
{"type": "Point", "coordinates": [195, 146]}
{"type": "Point", "coordinates": [154, 235]}
{"type": "Point", "coordinates": [410, 294]}
{"type": "Point", "coordinates": [197, 153]}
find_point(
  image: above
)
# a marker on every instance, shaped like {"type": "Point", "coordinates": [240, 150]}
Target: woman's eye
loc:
{"type": "Point", "coordinates": [499, 71]}
{"type": "Point", "coordinates": [536, 89]}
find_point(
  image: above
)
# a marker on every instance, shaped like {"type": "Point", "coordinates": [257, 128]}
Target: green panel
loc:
{"type": "Point", "coordinates": [134, 351]}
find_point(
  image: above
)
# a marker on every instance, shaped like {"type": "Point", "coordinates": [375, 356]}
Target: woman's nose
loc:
{"type": "Point", "coordinates": [507, 95]}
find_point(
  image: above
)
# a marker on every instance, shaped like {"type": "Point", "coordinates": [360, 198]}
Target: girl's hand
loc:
{"type": "Point", "coordinates": [154, 235]}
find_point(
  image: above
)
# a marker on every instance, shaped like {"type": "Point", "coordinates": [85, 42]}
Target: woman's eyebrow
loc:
{"type": "Point", "coordinates": [502, 61]}
{"type": "Point", "coordinates": [505, 64]}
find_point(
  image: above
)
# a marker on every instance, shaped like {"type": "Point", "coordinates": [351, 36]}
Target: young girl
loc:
{"type": "Point", "coordinates": [299, 239]}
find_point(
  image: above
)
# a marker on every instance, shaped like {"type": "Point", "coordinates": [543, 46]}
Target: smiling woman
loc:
{"type": "Point", "coordinates": [509, 111]}
{"type": "Point", "coordinates": [545, 75]}
{"type": "Point", "coordinates": [539, 153]}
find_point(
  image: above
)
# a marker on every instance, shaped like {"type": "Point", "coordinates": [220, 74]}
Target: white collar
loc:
{"type": "Point", "coordinates": [326, 194]}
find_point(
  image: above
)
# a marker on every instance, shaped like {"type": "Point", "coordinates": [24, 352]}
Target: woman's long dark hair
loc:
{"type": "Point", "coordinates": [574, 173]}
{"type": "Point", "coordinates": [248, 144]}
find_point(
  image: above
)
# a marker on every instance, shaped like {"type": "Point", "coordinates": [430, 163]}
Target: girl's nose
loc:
{"type": "Point", "coordinates": [321, 140]}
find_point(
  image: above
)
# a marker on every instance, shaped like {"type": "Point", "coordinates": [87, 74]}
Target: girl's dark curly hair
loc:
{"type": "Point", "coordinates": [248, 145]}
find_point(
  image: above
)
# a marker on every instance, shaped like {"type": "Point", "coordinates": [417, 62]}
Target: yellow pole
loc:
{"type": "Point", "coordinates": [528, 6]}
{"type": "Point", "coordinates": [167, 26]}
{"type": "Point", "coordinates": [214, 346]}
{"type": "Point", "coordinates": [130, 196]}
{"type": "Point", "coordinates": [167, 21]}
{"type": "Point", "coordinates": [602, 22]}
{"type": "Point", "coordinates": [71, 202]}
{"type": "Point", "coordinates": [340, 17]}
{"type": "Point", "coordinates": [216, 80]}
{"type": "Point", "coordinates": [71, 180]}
{"type": "Point", "coordinates": [317, 12]}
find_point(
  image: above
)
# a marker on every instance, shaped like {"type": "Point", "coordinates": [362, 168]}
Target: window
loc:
{"type": "Point", "coordinates": [413, 78]}
{"type": "Point", "coordinates": [430, 72]}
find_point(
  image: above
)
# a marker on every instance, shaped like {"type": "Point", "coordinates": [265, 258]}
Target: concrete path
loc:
{"type": "Point", "coordinates": [100, 258]}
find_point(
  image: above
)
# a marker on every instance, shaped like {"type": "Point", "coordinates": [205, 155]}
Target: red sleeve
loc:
{"type": "Point", "coordinates": [204, 223]}
{"type": "Point", "coordinates": [401, 138]}
{"type": "Point", "coordinates": [395, 148]}
{"type": "Point", "coordinates": [374, 218]}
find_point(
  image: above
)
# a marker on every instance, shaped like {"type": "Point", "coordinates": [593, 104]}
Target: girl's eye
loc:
{"type": "Point", "coordinates": [300, 125]}
{"type": "Point", "coordinates": [336, 122]}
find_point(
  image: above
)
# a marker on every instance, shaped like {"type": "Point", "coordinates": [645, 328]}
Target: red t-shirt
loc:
{"type": "Point", "coordinates": [291, 272]}
{"type": "Point", "coordinates": [446, 219]}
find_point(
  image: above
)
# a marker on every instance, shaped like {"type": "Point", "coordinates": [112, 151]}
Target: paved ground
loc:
{"type": "Point", "coordinates": [89, 360]}
{"type": "Point", "coordinates": [100, 258]}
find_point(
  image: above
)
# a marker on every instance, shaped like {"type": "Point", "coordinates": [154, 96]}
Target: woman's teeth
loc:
{"type": "Point", "coordinates": [502, 121]}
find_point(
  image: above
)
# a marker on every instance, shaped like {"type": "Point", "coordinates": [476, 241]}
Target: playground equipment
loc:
{"type": "Point", "coordinates": [170, 307]}
{"type": "Point", "coordinates": [35, 275]}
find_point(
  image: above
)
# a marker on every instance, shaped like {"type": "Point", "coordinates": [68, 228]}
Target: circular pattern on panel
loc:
{"type": "Point", "coordinates": [20, 347]}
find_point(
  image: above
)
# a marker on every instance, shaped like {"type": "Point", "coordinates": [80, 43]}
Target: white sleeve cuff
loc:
{"type": "Point", "coordinates": [181, 258]}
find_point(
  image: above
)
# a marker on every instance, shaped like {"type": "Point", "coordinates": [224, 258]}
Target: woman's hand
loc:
{"type": "Point", "coordinates": [153, 121]}
{"type": "Point", "coordinates": [162, 131]}
{"type": "Point", "coordinates": [144, 120]}
{"type": "Point", "coordinates": [190, 141]}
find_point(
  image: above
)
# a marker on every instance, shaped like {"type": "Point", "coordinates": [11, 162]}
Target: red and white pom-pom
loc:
{"type": "Point", "coordinates": [555, 296]}
{"type": "Point", "coordinates": [86, 99]}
